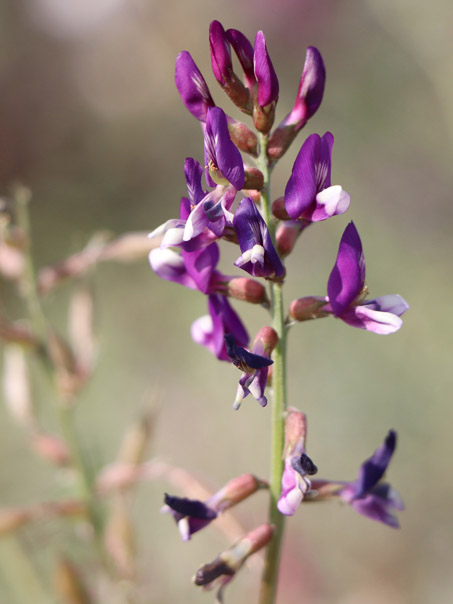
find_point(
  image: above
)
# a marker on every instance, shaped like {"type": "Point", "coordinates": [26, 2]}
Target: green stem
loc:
{"type": "Point", "coordinates": [271, 566]}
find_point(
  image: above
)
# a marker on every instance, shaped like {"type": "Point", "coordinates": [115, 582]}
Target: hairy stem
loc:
{"type": "Point", "coordinates": [269, 579]}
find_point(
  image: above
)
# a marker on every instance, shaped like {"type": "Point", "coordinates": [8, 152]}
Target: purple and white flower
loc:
{"type": "Point", "coordinates": [346, 291]}
{"type": "Point", "coordinates": [309, 196]}
{"type": "Point", "coordinates": [258, 257]}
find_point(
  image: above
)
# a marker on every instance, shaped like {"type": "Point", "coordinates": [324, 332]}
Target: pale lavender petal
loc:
{"type": "Point", "coordinates": [196, 223]}
{"type": "Point", "coordinates": [363, 317]}
{"type": "Point", "coordinates": [347, 278]}
{"type": "Point", "coordinates": [392, 303]}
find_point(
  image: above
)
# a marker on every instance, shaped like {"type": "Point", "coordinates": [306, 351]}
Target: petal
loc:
{"type": "Point", "coordinates": [190, 507]}
{"type": "Point", "coordinates": [196, 223]}
{"type": "Point", "coordinates": [220, 149]}
{"type": "Point", "coordinates": [266, 77]}
{"type": "Point", "coordinates": [243, 359]}
{"type": "Point", "coordinates": [225, 320]}
{"type": "Point", "coordinates": [392, 303]}
{"type": "Point", "coordinates": [192, 87]}
{"type": "Point", "coordinates": [376, 321]}
{"type": "Point", "coordinates": [244, 52]}
{"type": "Point", "coordinates": [301, 188]}
{"type": "Point", "coordinates": [373, 469]}
{"type": "Point", "coordinates": [201, 264]}
{"type": "Point", "coordinates": [330, 202]}
{"type": "Point", "coordinates": [170, 266]}
{"type": "Point", "coordinates": [347, 278]}
{"type": "Point", "coordinates": [220, 53]}
{"type": "Point", "coordinates": [193, 173]}
{"type": "Point", "coordinates": [376, 509]}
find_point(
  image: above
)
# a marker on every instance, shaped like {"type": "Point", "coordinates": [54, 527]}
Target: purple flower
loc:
{"type": "Point", "coordinates": [192, 515]}
{"type": "Point", "coordinates": [266, 77]}
{"type": "Point", "coordinates": [244, 52]}
{"type": "Point", "coordinates": [222, 157]}
{"type": "Point", "coordinates": [259, 257]}
{"type": "Point", "coordinates": [308, 99]}
{"type": "Point", "coordinates": [346, 291]}
{"type": "Point", "coordinates": [204, 216]}
{"type": "Point", "coordinates": [298, 466]}
{"type": "Point", "coordinates": [209, 330]}
{"type": "Point", "coordinates": [191, 269]}
{"type": "Point", "coordinates": [192, 87]}
{"type": "Point", "coordinates": [367, 494]}
{"type": "Point", "coordinates": [308, 195]}
{"type": "Point", "coordinates": [254, 365]}
{"type": "Point", "coordinates": [222, 67]}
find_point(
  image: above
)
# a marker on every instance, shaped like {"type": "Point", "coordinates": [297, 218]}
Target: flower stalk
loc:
{"type": "Point", "coordinates": [269, 577]}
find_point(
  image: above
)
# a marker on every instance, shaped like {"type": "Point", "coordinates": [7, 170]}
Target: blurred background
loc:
{"type": "Point", "coordinates": [91, 122]}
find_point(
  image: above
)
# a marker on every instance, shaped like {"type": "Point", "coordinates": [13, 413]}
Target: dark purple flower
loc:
{"type": "Point", "coordinates": [266, 77]}
{"type": "Point", "coordinates": [367, 494]}
{"type": "Point", "coordinates": [259, 257]}
{"type": "Point", "coordinates": [254, 364]}
{"type": "Point", "coordinates": [190, 515]}
{"type": "Point", "coordinates": [192, 87]}
{"type": "Point", "coordinates": [346, 291]}
{"type": "Point", "coordinates": [209, 330]}
{"type": "Point", "coordinates": [308, 195]}
{"type": "Point", "coordinates": [222, 157]}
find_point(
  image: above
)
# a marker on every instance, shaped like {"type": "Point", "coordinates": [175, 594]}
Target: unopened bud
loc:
{"type": "Point", "coordinates": [235, 491]}
{"type": "Point", "coordinates": [265, 341]}
{"type": "Point", "coordinates": [305, 309]}
{"type": "Point", "coordinates": [242, 288]}
{"type": "Point", "coordinates": [253, 179]}
{"type": "Point", "coordinates": [225, 566]}
{"type": "Point", "coordinates": [263, 117]}
{"type": "Point", "coordinates": [67, 375]}
{"type": "Point", "coordinates": [243, 137]}
{"type": "Point", "coordinates": [11, 261]}
{"type": "Point", "coordinates": [287, 234]}
{"type": "Point", "coordinates": [295, 430]}
{"type": "Point", "coordinates": [222, 67]}
{"type": "Point", "coordinates": [81, 329]}
{"type": "Point", "coordinates": [279, 209]}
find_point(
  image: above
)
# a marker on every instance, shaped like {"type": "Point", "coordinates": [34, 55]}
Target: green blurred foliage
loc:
{"type": "Point", "coordinates": [91, 121]}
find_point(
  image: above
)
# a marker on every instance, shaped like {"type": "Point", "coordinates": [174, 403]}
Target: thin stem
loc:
{"type": "Point", "coordinates": [271, 566]}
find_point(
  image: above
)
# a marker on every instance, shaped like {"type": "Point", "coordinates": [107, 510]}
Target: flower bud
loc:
{"type": "Point", "coordinates": [279, 209]}
{"type": "Point", "coordinates": [265, 341]}
{"type": "Point", "coordinates": [244, 52]}
{"type": "Point", "coordinates": [222, 68]}
{"type": "Point", "coordinates": [12, 519]}
{"type": "Point", "coordinates": [244, 288]}
{"type": "Point", "coordinates": [267, 86]}
{"type": "Point", "coordinates": [286, 236]}
{"type": "Point", "coordinates": [243, 137]}
{"type": "Point", "coordinates": [235, 491]}
{"type": "Point", "coordinates": [253, 179]}
{"type": "Point", "coordinates": [305, 309]}
{"type": "Point", "coordinates": [51, 448]}
{"type": "Point", "coordinates": [295, 430]}
{"type": "Point", "coordinates": [225, 566]}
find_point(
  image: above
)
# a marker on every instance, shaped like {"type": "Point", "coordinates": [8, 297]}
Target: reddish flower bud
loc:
{"type": "Point", "coordinates": [279, 209]}
{"type": "Point", "coordinates": [253, 179]}
{"type": "Point", "coordinates": [287, 234]}
{"type": "Point", "coordinates": [243, 137]}
{"type": "Point", "coordinates": [248, 290]}
{"type": "Point", "coordinates": [310, 307]}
